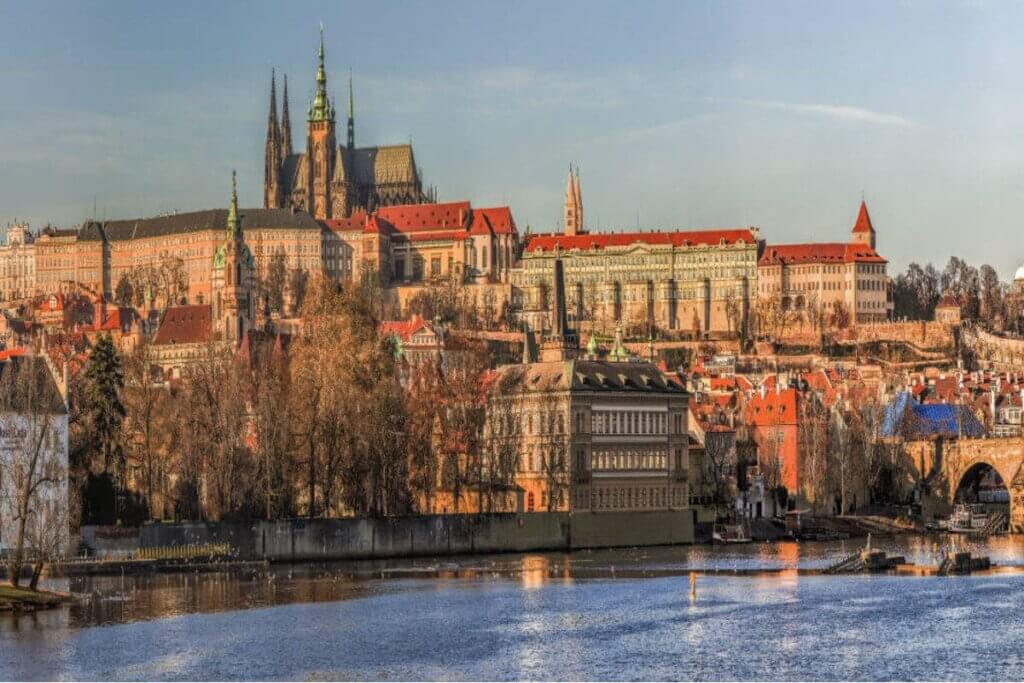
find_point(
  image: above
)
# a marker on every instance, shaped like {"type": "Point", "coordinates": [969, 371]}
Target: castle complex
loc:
{"type": "Point", "coordinates": [332, 180]}
{"type": "Point", "coordinates": [348, 212]}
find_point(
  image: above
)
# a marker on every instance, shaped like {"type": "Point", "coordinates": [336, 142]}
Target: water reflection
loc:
{"type": "Point", "coordinates": [589, 615]}
{"type": "Point", "coordinates": [119, 599]}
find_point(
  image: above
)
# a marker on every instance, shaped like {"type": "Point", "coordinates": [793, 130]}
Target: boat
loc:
{"type": "Point", "coordinates": [730, 533]}
{"type": "Point", "coordinates": [968, 519]}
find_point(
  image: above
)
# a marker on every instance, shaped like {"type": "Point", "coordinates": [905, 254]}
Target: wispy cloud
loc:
{"type": "Point", "coordinates": [840, 112]}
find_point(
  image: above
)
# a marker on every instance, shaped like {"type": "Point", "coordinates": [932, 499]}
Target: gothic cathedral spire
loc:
{"type": "Point", "coordinates": [351, 114]}
{"type": "Point", "coordinates": [573, 204]}
{"type": "Point", "coordinates": [320, 109]}
{"type": "Point", "coordinates": [321, 146]}
{"type": "Point", "coordinates": [272, 152]}
{"type": "Point", "coordinates": [286, 124]}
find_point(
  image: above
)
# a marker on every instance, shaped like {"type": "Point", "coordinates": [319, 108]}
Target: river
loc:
{"type": "Point", "coordinates": [760, 612]}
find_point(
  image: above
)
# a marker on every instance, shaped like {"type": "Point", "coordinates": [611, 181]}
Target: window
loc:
{"type": "Point", "coordinates": [435, 266]}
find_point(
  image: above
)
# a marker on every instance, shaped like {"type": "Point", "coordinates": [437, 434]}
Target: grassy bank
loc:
{"type": "Point", "coordinates": [22, 599]}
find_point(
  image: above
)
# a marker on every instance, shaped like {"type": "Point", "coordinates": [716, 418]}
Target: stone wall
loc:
{"type": "Point", "coordinates": [924, 334]}
{"type": "Point", "coordinates": [994, 352]}
{"type": "Point", "coordinates": [361, 538]}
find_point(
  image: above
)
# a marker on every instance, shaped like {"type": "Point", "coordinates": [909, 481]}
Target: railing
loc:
{"type": "Point", "coordinates": [184, 552]}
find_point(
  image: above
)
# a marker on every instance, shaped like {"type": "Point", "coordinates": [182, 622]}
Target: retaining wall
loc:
{"type": "Point", "coordinates": [298, 540]}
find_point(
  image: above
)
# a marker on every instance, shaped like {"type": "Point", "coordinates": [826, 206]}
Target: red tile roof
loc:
{"type": "Point", "coordinates": [626, 239]}
{"type": "Point", "coordinates": [498, 219]}
{"type": "Point", "coordinates": [863, 223]}
{"type": "Point", "coordinates": [412, 217]}
{"type": "Point", "coordinates": [354, 223]}
{"type": "Point", "coordinates": [818, 252]}
{"type": "Point", "coordinates": [416, 222]}
{"type": "Point", "coordinates": [403, 329]}
{"type": "Point", "coordinates": [773, 410]}
{"type": "Point", "coordinates": [185, 325]}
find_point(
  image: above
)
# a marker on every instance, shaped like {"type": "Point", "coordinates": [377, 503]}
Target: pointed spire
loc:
{"type": "Point", "coordinates": [863, 223]}
{"type": "Point", "coordinates": [286, 123]}
{"type": "Point", "coordinates": [232, 222]}
{"type": "Point", "coordinates": [272, 116]}
{"type": "Point", "coordinates": [320, 108]}
{"type": "Point", "coordinates": [351, 114]}
{"type": "Point", "coordinates": [579, 202]}
{"type": "Point", "coordinates": [272, 151]}
{"type": "Point", "coordinates": [572, 206]}
{"type": "Point", "coordinates": [863, 232]}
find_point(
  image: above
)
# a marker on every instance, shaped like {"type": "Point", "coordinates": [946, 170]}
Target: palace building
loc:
{"type": "Point", "coordinates": [330, 179]}
{"type": "Point", "coordinates": [825, 276]}
{"type": "Point", "coordinates": [700, 281]}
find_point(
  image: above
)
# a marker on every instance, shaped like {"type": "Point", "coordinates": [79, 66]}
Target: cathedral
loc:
{"type": "Point", "coordinates": [332, 180]}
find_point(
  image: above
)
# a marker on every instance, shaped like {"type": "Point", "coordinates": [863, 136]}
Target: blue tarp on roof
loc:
{"type": "Point", "coordinates": [907, 418]}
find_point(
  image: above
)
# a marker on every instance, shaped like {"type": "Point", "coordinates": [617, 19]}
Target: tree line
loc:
{"type": "Point", "coordinates": [983, 297]}
{"type": "Point", "coordinates": [330, 422]}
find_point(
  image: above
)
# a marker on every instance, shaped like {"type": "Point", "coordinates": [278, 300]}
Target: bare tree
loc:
{"type": "Point", "coordinates": [146, 427]}
{"type": "Point", "coordinates": [33, 465]}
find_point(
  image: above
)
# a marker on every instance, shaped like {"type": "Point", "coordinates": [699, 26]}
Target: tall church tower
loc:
{"type": "Point", "coordinates": [320, 142]}
{"type": "Point", "coordinates": [273, 195]}
{"type": "Point", "coordinates": [863, 232]}
{"type": "Point", "coordinates": [233, 277]}
{"type": "Point", "coordinates": [573, 204]}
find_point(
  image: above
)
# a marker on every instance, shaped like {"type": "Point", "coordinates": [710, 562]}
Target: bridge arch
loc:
{"type": "Point", "coordinates": [1006, 474]}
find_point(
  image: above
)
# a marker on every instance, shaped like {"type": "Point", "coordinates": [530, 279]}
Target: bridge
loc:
{"type": "Point", "coordinates": [944, 465]}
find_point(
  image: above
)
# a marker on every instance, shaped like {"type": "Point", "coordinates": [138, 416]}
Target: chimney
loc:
{"type": "Point", "coordinates": [100, 312]}
{"type": "Point", "coordinates": [560, 322]}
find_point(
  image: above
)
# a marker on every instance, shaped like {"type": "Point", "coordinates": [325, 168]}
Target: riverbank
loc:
{"type": "Point", "coordinates": [23, 600]}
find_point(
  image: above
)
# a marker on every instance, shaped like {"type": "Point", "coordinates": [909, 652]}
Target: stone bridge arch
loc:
{"type": "Point", "coordinates": [1005, 456]}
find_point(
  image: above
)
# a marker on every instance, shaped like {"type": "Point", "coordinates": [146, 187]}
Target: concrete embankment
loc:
{"type": "Point", "coordinates": [314, 540]}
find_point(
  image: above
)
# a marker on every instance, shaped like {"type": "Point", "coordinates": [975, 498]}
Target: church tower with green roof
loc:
{"type": "Point", "coordinates": [233, 278]}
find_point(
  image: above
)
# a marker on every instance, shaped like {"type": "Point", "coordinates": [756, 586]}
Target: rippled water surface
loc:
{"type": "Point", "coordinates": [760, 612]}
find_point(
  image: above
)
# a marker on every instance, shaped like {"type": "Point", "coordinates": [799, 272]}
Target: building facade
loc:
{"type": "Point", "coordinates": [17, 264]}
{"type": "Point", "coordinates": [697, 282]}
{"type": "Point", "coordinates": [588, 434]}
{"type": "Point", "coordinates": [815, 280]}
{"type": "Point", "coordinates": [332, 180]}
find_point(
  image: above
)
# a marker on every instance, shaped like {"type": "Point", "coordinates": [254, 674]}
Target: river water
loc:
{"type": "Point", "coordinates": [760, 612]}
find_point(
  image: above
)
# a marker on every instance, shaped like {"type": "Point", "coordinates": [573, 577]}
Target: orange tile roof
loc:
{"type": "Point", "coordinates": [776, 408]}
{"type": "Point", "coordinates": [413, 217]}
{"type": "Point", "coordinates": [625, 239]}
{"type": "Point", "coordinates": [863, 223]}
{"type": "Point", "coordinates": [818, 252]}
{"type": "Point", "coordinates": [354, 223]}
{"type": "Point", "coordinates": [403, 329]}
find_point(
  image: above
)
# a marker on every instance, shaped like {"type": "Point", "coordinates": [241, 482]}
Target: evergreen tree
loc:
{"type": "Point", "coordinates": [104, 380]}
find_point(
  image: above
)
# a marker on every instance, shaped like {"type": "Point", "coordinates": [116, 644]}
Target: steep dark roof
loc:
{"type": "Point", "coordinates": [209, 219]}
{"type": "Point", "coordinates": [586, 375]}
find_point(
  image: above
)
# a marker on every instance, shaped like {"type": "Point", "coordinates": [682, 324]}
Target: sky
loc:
{"type": "Point", "coordinates": [680, 115]}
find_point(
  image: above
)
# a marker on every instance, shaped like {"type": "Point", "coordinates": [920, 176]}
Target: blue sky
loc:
{"type": "Point", "coordinates": [679, 115]}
